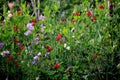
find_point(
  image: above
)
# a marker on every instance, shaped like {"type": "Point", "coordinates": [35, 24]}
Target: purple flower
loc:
{"type": "Point", "coordinates": [29, 47]}
{"type": "Point", "coordinates": [7, 52]}
{"type": "Point", "coordinates": [37, 39]}
{"type": "Point", "coordinates": [1, 45]}
{"type": "Point", "coordinates": [33, 62]}
{"type": "Point", "coordinates": [32, 42]}
{"type": "Point", "coordinates": [111, 6]}
{"type": "Point", "coordinates": [36, 58]}
{"type": "Point", "coordinates": [42, 17]}
{"type": "Point", "coordinates": [27, 32]}
{"type": "Point", "coordinates": [30, 26]}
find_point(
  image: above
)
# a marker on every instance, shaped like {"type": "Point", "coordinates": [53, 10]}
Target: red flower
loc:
{"type": "Point", "coordinates": [89, 13]}
{"type": "Point", "coordinates": [21, 47]}
{"type": "Point", "coordinates": [56, 65]}
{"type": "Point", "coordinates": [9, 57]}
{"type": "Point", "coordinates": [18, 53]}
{"type": "Point", "coordinates": [7, 62]}
{"type": "Point", "coordinates": [101, 6]}
{"type": "Point", "coordinates": [15, 28]}
{"type": "Point", "coordinates": [16, 63]}
{"type": "Point", "coordinates": [60, 42]}
{"type": "Point", "coordinates": [73, 21]}
{"type": "Point", "coordinates": [95, 56]}
{"type": "Point", "coordinates": [48, 48]}
{"type": "Point", "coordinates": [77, 14]}
{"type": "Point", "coordinates": [37, 34]}
{"type": "Point", "coordinates": [19, 12]}
{"type": "Point", "coordinates": [94, 19]}
{"type": "Point", "coordinates": [33, 21]}
{"type": "Point", "coordinates": [16, 41]}
{"type": "Point", "coordinates": [58, 37]}
{"type": "Point", "coordinates": [64, 20]}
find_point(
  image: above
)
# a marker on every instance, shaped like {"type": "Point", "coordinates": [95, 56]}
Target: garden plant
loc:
{"type": "Point", "coordinates": [59, 40]}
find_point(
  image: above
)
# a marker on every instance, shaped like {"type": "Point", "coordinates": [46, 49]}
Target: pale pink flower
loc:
{"type": "Point", "coordinates": [10, 5]}
{"type": "Point", "coordinates": [10, 15]}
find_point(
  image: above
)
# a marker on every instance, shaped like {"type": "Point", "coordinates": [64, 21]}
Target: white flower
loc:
{"type": "Point", "coordinates": [39, 54]}
{"type": "Point", "coordinates": [9, 11]}
{"type": "Point", "coordinates": [65, 45]}
{"type": "Point", "coordinates": [73, 36]}
{"type": "Point", "coordinates": [68, 47]}
{"type": "Point", "coordinates": [37, 78]}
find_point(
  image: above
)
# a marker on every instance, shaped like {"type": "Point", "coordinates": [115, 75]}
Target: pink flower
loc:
{"type": "Point", "coordinates": [27, 32]}
{"type": "Point", "coordinates": [10, 5]}
{"type": "Point", "coordinates": [42, 17]}
{"type": "Point", "coordinates": [10, 15]}
{"type": "Point", "coordinates": [36, 58]}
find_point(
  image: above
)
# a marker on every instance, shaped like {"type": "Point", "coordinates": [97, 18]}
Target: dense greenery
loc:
{"type": "Point", "coordinates": [60, 40]}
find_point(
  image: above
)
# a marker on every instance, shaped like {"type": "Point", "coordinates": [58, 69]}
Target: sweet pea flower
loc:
{"type": "Point", "coordinates": [36, 58]}
{"type": "Point", "coordinates": [39, 54]}
{"type": "Point", "coordinates": [42, 17]}
{"type": "Point", "coordinates": [27, 32]}
{"type": "Point", "coordinates": [1, 45]}
{"type": "Point", "coordinates": [30, 26]}
{"type": "Point", "coordinates": [68, 47]}
{"type": "Point", "coordinates": [101, 6]}
{"type": "Point", "coordinates": [93, 18]}
{"type": "Point", "coordinates": [4, 53]}
{"type": "Point", "coordinates": [89, 13]}
{"type": "Point", "coordinates": [10, 15]}
{"type": "Point", "coordinates": [95, 56]}
{"type": "Point", "coordinates": [10, 5]}
{"type": "Point", "coordinates": [37, 78]}
{"type": "Point", "coordinates": [7, 52]}
{"type": "Point", "coordinates": [19, 12]}
{"type": "Point", "coordinates": [47, 54]}
{"type": "Point", "coordinates": [42, 25]}
{"type": "Point", "coordinates": [37, 39]}
{"type": "Point", "coordinates": [77, 14]}
{"type": "Point", "coordinates": [34, 62]}
{"type": "Point", "coordinates": [56, 65]}
{"type": "Point", "coordinates": [73, 21]}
